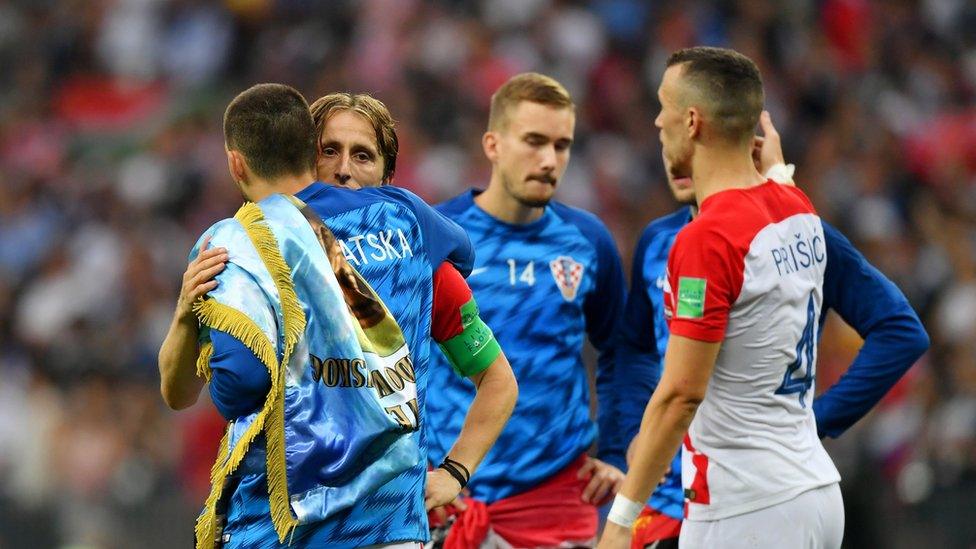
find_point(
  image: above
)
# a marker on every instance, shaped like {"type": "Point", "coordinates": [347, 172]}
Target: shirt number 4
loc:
{"type": "Point", "coordinates": [804, 359]}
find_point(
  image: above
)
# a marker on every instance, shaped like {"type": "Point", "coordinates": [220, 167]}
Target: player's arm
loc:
{"type": "Point", "coordinates": [239, 381]}
{"type": "Point", "coordinates": [179, 383]}
{"type": "Point", "coordinates": [688, 365]}
{"type": "Point", "coordinates": [894, 337]}
{"type": "Point", "coordinates": [473, 352]}
{"type": "Point", "coordinates": [602, 310]}
{"type": "Point", "coordinates": [636, 348]}
{"type": "Point", "coordinates": [703, 283]}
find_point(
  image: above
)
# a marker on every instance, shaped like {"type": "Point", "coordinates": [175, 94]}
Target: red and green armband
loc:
{"type": "Point", "coordinates": [475, 348]}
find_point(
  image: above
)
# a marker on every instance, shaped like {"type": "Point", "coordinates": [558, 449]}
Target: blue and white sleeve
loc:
{"type": "Point", "coordinates": [894, 337]}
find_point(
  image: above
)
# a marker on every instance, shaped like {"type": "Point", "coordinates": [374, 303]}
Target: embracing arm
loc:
{"type": "Point", "coordinates": [179, 383]}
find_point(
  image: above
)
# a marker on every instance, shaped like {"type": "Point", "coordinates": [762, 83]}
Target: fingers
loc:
{"type": "Point", "coordinates": [587, 468]}
{"type": "Point", "coordinates": [441, 514]}
{"type": "Point", "coordinates": [766, 124]}
{"type": "Point", "coordinates": [598, 488]}
{"type": "Point", "coordinates": [200, 290]}
{"type": "Point", "coordinates": [208, 273]}
{"type": "Point", "coordinates": [459, 504]}
{"type": "Point", "coordinates": [203, 245]}
{"type": "Point", "coordinates": [440, 490]}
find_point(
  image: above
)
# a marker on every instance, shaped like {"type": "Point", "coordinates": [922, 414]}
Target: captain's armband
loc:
{"type": "Point", "coordinates": [475, 348]}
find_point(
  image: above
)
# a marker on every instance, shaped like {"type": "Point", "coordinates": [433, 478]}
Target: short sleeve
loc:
{"type": "Point", "coordinates": [444, 239]}
{"type": "Point", "coordinates": [451, 293]}
{"type": "Point", "coordinates": [704, 279]}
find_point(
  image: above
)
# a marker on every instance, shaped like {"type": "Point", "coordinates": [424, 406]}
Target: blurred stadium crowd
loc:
{"type": "Point", "coordinates": [111, 164]}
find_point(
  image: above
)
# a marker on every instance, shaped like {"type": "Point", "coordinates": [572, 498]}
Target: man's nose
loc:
{"type": "Point", "coordinates": [548, 159]}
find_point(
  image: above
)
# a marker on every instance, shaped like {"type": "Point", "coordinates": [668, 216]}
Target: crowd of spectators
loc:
{"type": "Point", "coordinates": [111, 163]}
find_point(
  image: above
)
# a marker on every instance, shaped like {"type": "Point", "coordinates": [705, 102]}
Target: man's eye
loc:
{"type": "Point", "coordinates": [362, 157]}
{"type": "Point", "coordinates": [329, 151]}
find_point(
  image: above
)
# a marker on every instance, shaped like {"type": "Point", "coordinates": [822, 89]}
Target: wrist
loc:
{"type": "Point", "coordinates": [624, 511]}
{"type": "Point", "coordinates": [781, 172]}
{"type": "Point", "coordinates": [184, 315]}
{"type": "Point", "coordinates": [457, 470]}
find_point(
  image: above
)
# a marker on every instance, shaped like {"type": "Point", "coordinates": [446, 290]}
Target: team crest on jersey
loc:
{"type": "Point", "coordinates": [568, 274]}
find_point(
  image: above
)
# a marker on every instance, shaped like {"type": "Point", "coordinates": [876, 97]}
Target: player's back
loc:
{"type": "Point", "coordinates": [396, 242]}
{"type": "Point", "coordinates": [748, 272]}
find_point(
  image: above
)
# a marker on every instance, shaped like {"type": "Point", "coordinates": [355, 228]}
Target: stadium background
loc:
{"type": "Point", "coordinates": [111, 163]}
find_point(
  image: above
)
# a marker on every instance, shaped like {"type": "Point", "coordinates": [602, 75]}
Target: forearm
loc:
{"type": "Point", "coordinates": [665, 423]}
{"type": "Point", "coordinates": [179, 383]}
{"type": "Point", "coordinates": [493, 403]}
{"type": "Point", "coordinates": [888, 352]}
{"type": "Point", "coordinates": [635, 376]}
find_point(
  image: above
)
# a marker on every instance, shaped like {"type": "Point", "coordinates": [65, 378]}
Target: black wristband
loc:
{"type": "Point", "coordinates": [457, 470]}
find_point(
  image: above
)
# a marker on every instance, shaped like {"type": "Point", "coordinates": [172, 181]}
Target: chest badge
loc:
{"type": "Point", "coordinates": [568, 274]}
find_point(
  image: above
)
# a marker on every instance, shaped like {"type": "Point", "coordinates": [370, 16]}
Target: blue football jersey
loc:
{"type": "Point", "coordinates": [542, 287]}
{"type": "Point", "coordinates": [396, 241]}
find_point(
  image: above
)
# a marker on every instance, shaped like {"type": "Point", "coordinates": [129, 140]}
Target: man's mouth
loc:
{"type": "Point", "coordinates": [543, 178]}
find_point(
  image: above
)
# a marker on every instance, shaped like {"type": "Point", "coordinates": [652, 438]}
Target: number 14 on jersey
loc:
{"type": "Point", "coordinates": [527, 276]}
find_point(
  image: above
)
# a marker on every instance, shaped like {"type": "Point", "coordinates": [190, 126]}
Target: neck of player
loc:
{"type": "Point", "coordinates": [258, 189]}
{"type": "Point", "coordinates": [501, 205]}
{"type": "Point", "coordinates": [717, 169]}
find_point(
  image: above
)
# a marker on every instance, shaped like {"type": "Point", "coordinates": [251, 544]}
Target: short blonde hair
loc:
{"type": "Point", "coordinates": [528, 86]}
{"type": "Point", "coordinates": [370, 108]}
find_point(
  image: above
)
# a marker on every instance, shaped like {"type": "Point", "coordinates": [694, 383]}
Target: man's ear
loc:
{"type": "Point", "coordinates": [693, 122]}
{"type": "Point", "coordinates": [237, 166]}
{"type": "Point", "coordinates": [489, 143]}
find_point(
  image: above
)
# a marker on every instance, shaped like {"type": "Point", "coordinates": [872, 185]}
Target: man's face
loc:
{"type": "Point", "coordinates": [673, 121]}
{"type": "Point", "coordinates": [532, 150]}
{"type": "Point", "coordinates": [682, 188]}
{"type": "Point", "coordinates": [348, 153]}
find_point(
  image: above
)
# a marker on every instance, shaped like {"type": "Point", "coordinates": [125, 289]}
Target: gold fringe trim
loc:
{"type": "Point", "coordinates": [272, 414]}
{"type": "Point", "coordinates": [222, 317]}
{"type": "Point", "coordinates": [206, 526]}
{"type": "Point", "coordinates": [225, 318]}
{"type": "Point", "coordinates": [264, 241]}
{"type": "Point", "coordinates": [203, 361]}
{"type": "Point", "coordinates": [252, 218]}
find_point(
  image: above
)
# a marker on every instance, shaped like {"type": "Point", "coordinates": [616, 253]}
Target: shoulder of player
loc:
{"type": "Point", "coordinates": [457, 205]}
{"type": "Point", "coordinates": [223, 231]}
{"type": "Point", "coordinates": [228, 233]}
{"type": "Point", "coordinates": [712, 231]}
{"type": "Point", "coordinates": [591, 226]}
{"type": "Point", "coordinates": [668, 224]}
{"type": "Point", "coordinates": [797, 192]}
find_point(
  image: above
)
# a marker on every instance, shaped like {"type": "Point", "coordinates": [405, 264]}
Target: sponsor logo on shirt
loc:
{"type": "Point", "coordinates": [691, 297]}
{"type": "Point", "coordinates": [568, 274]}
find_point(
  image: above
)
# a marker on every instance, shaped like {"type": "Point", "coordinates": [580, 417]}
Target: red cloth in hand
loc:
{"type": "Point", "coordinates": [549, 515]}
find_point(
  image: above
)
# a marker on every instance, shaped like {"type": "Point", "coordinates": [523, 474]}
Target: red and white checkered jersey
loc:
{"type": "Point", "coordinates": [748, 272]}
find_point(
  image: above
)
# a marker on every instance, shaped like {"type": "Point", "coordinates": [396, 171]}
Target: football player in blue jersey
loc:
{"type": "Point", "coordinates": [547, 277]}
{"type": "Point", "coordinates": [894, 338]}
{"type": "Point", "coordinates": [397, 243]}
